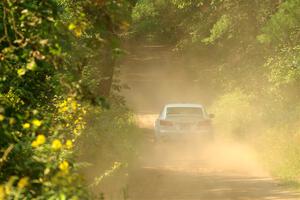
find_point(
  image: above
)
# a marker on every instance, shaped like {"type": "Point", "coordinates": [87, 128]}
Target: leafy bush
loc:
{"type": "Point", "coordinates": [36, 135]}
{"type": "Point", "coordinates": [236, 115]}
{"type": "Point", "coordinates": [44, 47]}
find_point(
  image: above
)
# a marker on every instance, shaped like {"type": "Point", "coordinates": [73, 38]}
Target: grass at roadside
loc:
{"type": "Point", "coordinates": [109, 146]}
{"type": "Point", "coordinates": [275, 139]}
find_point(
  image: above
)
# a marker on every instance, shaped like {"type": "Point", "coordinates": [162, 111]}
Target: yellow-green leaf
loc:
{"type": "Point", "coordinates": [21, 72]}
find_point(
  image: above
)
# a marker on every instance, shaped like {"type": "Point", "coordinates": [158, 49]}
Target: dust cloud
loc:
{"type": "Point", "coordinates": [196, 170]}
{"type": "Point", "coordinates": [163, 77]}
{"type": "Point", "coordinates": [159, 78]}
{"type": "Point", "coordinates": [218, 156]}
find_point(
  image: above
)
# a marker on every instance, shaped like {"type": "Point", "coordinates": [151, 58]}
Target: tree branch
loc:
{"type": "Point", "coordinates": [5, 155]}
{"type": "Point", "coordinates": [4, 25]}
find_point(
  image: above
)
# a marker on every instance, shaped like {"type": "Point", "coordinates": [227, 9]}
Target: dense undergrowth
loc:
{"type": "Point", "coordinates": [57, 59]}
{"type": "Point", "coordinates": [241, 118]}
{"type": "Point", "coordinates": [108, 145]}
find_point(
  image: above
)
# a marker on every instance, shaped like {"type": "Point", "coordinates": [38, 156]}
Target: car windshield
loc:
{"type": "Point", "coordinates": [184, 111]}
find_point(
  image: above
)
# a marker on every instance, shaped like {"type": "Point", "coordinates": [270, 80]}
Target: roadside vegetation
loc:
{"type": "Point", "coordinates": [108, 146]}
{"type": "Point", "coordinates": [57, 61]}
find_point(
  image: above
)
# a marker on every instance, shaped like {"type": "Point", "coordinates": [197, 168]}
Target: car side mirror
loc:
{"type": "Point", "coordinates": [211, 116]}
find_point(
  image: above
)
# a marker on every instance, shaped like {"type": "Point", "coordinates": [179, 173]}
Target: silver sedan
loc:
{"type": "Point", "coordinates": [183, 120]}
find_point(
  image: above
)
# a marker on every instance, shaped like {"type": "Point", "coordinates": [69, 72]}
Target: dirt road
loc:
{"type": "Point", "coordinates": [163, 184]}
{"type": "Point", "coordinates": [190, 171]}
{"type": "Point", "coordinates": [204, 179]}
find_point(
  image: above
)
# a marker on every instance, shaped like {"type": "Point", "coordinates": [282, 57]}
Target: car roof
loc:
{"type": "Point", "coordinates": [183, 105]}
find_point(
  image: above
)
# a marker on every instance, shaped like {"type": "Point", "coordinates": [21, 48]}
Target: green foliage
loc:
{"type": "Point", "coordinates": [235, 114]}
{"type": "Point", "coordinates": [112, 134]}
{"type": "Point", "coordinates": [284, 67]}
{"type": "Point", "coordinates": [283, 26]}
{"type": "Point", "coordinates": [270, 130]}
{"type": "Point", "coordinates": [92, 48]}
{"type": "Point", "coordinates": [143, 10]}
{"type": "Point", "coordinates": [52, 56]}
{"type": "Point", "coordinates": [280, 152]}
{"type": "Point", "coordinates": [219, 29]}
{"type": "Point", "coordinates": [145, 19]}
{"type": "Point", "coordinates": [111, 137]}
